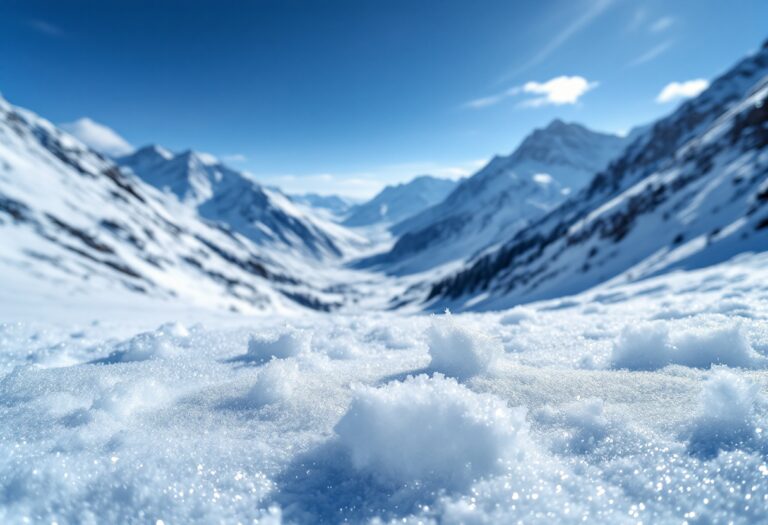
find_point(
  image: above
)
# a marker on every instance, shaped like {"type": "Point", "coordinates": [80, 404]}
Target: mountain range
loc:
{"type": "Point", "coordinates": [568, 209]}
{"type": "Point", "coordinates": [500, 199]}
{"type": "Point", "coordinates": [396, 203]}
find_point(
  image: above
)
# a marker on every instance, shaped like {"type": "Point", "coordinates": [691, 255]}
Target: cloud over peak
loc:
{"type": "Point", "coordinates": [557, 91]}
{"type": "Point", "coordinates": [678, 90]}
{"type": "Point", "coordinates": [98, 137]}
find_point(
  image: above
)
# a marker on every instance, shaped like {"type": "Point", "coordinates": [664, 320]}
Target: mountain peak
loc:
{"type": "Point", "coordinates": [153, 150]}
{"type": "Point", "coordinates": [558, 124]}
{"type": "Point", "coordinates": [199, 156]}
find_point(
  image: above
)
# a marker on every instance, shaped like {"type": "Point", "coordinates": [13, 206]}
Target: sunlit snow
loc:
{"type": "Point", "coordinates": [648, 408]}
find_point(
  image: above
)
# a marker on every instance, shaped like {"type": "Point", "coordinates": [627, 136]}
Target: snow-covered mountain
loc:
{"type": "Point", "coordinates": [235, 199]}
{"type": "Point", "coordinates": [72, 223]}
{"type": "Point", "coordinates": [501, 198]}
{"type": "Point", "coordinates": [396, 203]}
{"type": "Point", "coordinates": [690, 191]}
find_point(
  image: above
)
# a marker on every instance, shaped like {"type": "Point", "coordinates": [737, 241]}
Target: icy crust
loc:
{"type": "Point", "coordinates": [345, 418]}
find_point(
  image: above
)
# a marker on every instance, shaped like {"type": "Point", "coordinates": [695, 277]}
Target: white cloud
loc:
{"type": "Point", "coordinates": [557, 91]}
{"type": "Point", "coordinates": [678, 90]}
{"type": "Point", "coordinates": [365, 184]}
{"type": "Point", "coordinates": [235, 157]}
{"type": "Point", "coordinates": [662, 24]}
{"type": "Point", "coordinates": [652, 53]}
{"type": "Point", "coordinates": [98, 137]}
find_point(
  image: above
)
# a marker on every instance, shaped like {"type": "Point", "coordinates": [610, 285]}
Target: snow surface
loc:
{"type": "Point", "coordinates": [642, 402]}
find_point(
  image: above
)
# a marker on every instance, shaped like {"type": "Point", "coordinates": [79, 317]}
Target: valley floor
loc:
{"type": "Point", "coordinates": [645, 402]}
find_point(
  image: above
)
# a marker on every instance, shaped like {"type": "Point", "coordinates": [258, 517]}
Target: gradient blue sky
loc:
{"type": "Point", "coordinates": [348, 95]}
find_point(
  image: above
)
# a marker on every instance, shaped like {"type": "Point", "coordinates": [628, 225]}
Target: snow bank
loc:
{"type": "Point", "coordinates": [726, 416]}
{"type": "Point", "coordinates": [288, 344]}
{"type": "Point", "coordinates": [431, 430]}
{"type": "Point", "coordinates": [276, 382]}
{"type": "Point", "coordinates": [460, 351]}
{"type": "Point", "coordinates": [650, 346]}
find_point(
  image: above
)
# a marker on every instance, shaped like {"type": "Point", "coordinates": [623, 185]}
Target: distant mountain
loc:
{"type": "Point", "coordinates": [690, 191]}
{"type": "Point", "coordinates": [501, 198]}
{"type": "Point", "coordinates": [72, 221]}
{"type": "Point", "coordinates": [395, 203]}
{"type": "Point", "coordinates": [337, 206]}
{"type": "Point", "coordinates": [235, 199]}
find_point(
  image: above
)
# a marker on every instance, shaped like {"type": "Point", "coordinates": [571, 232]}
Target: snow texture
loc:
{"type": "Point", "coordinates": [431, 430]}
{"type": "Point", "coordinates": [314, 418]}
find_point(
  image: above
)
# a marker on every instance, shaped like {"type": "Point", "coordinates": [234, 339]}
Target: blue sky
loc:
{"type": "Point", "coordinates": [348, 95]}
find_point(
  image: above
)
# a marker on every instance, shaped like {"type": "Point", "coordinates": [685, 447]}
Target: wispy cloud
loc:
{"type": "Point", "coordinates": [662, 24]}
{"type": "Point", "coordinates": [492, 100]}
{"type": "Point", "coordinates": [638, 19]}
{"type": "Point", "coordinates": [235, 157]}
{"type": "Point", "coordinates": [595, 9]}
{"type": "Point", "coordinates": [558, 91]}
{"type": "Point", "coordinates": [365, 184]}
{"type": "Point", "coordinates": [651, 54]}
{"type": "Point", "coordinates": [46, 28]}
{"type": "Point", "coordinates": [679, 90]}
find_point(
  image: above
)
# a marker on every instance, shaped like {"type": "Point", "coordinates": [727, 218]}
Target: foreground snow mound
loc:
{"type": "Point", "coordinates": [460, 351]}
{"type": "Point", "coordinates": [726, 417]}
{"type": "Point", "coordinates": [431, 430]}
{"type": "Point", "coordinates": [288, 344]}
{"type": "Point", "coordinates": [651, 346]}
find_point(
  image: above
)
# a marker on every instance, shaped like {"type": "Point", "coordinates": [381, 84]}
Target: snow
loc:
{"type": "Point", "coordinates": [275, 382]}
{"type": "Point", "coordinates": [460, 351]}
{"type": "Point", "coordinates": [288, 344]}
{"type": "Point", "coordinates": [649, 346]}
{"type": "Point", "coordinates": [726, 418]}
{"type": "Point", "coordinates": [430, 430]}
{"type": "Point", "coordinates": [352, 420]}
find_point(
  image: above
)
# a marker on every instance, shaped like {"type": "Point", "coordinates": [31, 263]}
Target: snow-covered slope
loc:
{"type": "Point", "coordinates": [234, 199]}
{"type": "Point", "coordinates": [73, 224]}
{"type": "Point", "coordinates": [691, 191]}
{"type": "Point", "coordinates": [501, 198]}
{"type": "Point", "coordinates": [396, 203]}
